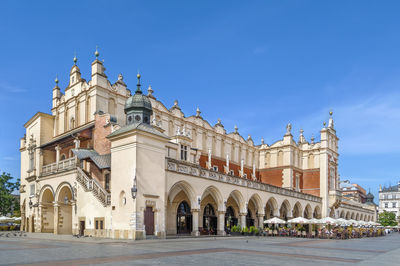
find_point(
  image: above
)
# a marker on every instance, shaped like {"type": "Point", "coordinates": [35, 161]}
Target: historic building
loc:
{"type": "Point", "coordinates": [109, 163]}
{"type": "Point", "coordinates": [389, 199]}
{"type": "Point", "coordinates": [354, 192]}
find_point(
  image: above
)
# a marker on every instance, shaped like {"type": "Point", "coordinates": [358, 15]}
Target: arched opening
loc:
{"type": "Point", "coordinates": [230, 218]}
{"type": "Point", "coordinates": [47, 211]}
{"type": "Point", "coordinates": [111, 106]}
{"type": "Point", "coordinates": [353, 216]}
{"type": "Point", "coordinates": [209, 220]}
{"type": "Point", "coordinates": [317, 213]}
{"type": "Point", "coordinates": [256, 208]}
{"type": "Point", "coordinates": [179, 216]}
{"type": "Point", "coordinates": [284, 210]}
{"type": "Point", "coordinates": [267, 159]}
{"type": "Point", "coordinates": [348, 216]}
{"type": "Point", "coordinates": [310, 161]}
{"type": "Point", "coordinates": [271, 208]}
{"type": "Point", "coordinates": [357, 217]}
{"type": "Point", "coordinates": [64, 201]}
{"type": "Point", "coordinates": [307, 212]}
{"type": "Point", "coordinates": [297, 210]}
{"type": "Point", "coordinates": [342, 215]}
{"type": "Point", "coordinates": [183, 219]}
{"type": "Point", "coordinates": [249, 218]}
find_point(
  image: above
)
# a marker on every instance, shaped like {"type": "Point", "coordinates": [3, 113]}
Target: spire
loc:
{"type": "Point", "coordinates": [96, 53]}
{"type": "Point", "coordinates": [150, 92]}
{"type": "Point", "coordinates": [262, 141]}
{"type": "Point", "coordinates": [312, 139]}
{"type": "Point", "coordinates": [236, 129]}
{"type": "Point", "coordinates": [302, 139]}
{"type": "Point", "coordinates": [56, 80]}
{"type": "Point", "coordinates": [75, 59]}
{"type": "Point", "coordinates": [138, 90]}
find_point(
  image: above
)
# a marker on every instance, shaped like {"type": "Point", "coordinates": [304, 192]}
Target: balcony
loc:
{"type": "Point", "coordinates": [63, 165]}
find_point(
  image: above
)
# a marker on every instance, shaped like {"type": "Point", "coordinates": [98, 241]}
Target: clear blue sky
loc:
{"type": "Point", "coordinates": [257, 64]}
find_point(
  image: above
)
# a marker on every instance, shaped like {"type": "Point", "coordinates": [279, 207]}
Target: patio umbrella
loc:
{"type": "Point", "coordinates": [314, 221]}
{"type": "Point", "coordinates": [353, 222]}
{"type": "Point", "coordinates": [4, 219]}
{"type": "Point", "coordinates": [299, 220]}
{"type": "Point", "coordinates": [328, 220]}
{"type": "Point", "coordinates": [275, 220]}
{"type": "Point", "coordinates": [342, 221]}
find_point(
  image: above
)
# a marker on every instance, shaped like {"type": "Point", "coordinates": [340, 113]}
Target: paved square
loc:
{"type": "Point", "coordinates": [47, 249]}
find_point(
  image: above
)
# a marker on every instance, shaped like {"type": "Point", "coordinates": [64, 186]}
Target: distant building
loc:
{"type": "Point", "coordinates": [389, 199]}
{"type": "Point", "coordinates": [354, 192]}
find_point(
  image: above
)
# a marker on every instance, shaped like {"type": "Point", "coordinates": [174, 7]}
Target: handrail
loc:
{"type": "Point", "coordinates": [91, 184]}
{"type": "Point", "coordinates": [60, 166]}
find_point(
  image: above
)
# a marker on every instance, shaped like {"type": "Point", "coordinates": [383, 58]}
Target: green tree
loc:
{"type": "Point", "coordinates": [387, 219]}
{"type": "Point", "coordinates": [7, 187]}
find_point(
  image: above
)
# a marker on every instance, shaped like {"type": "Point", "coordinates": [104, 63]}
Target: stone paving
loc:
{"type": "Point", "coordinates": [47, 249]}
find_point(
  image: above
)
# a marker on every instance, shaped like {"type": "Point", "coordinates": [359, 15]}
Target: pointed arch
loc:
{"type": "Point", "coordinates": [238, 198]}
{"type": "Point", "coordinates": [297, 210]}
{"type": "Point", "coordinates": [317, 212]}
{"type": "Point", "coordinates": [186, 188]}
{"type": "Point", "coordinates": [215, 194]}
{"type": "Point", "coordinates": [257, 202]}
{"type": "Point", "coordinates": [285, 210]}
{"type": "Point", "coordinates": [308, 212]}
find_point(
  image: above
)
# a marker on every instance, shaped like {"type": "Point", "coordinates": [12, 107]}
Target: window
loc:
{"type": "Point", "coordinates": [183, 152]}
{"type": "Point", "coordinates": [244, 175]}
{"type": "Point", "coordinates": [297, 182]}
{"type": "Point", "coordinates": [97, 224]}
{"type": "Point", "coordinates": [386, 205]}
{"type": "Point", "coordinates": [107, 179]}
{"type": "Point", "coordinates": [280, 158]}
{"type": "Point", "coordinates": [231, 172]}
{"type": "Point", "coordinates": [72, 79]}
{"type": "Point", "coordinates": [32, 190]}
{"type": "Point", "coordinates": [101, 224]}
{"type": "Point", "coordinates": [31, 160]}
{"type": "Point", "coordinates": [390, 196]}
{"type": "Point", "coordinates": [393, 204]}
{"type": "Point", "coordinates": [215, 168]}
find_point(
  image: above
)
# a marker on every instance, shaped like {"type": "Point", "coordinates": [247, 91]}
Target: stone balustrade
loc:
{"type": "Point", "coordinates": [90, 184]}
{"type": "Point", "coordinates": [63, 165]}
{"type": "Point", "coordinates": [187, 168]}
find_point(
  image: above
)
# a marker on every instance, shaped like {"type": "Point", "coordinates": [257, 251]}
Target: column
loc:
{"type": "Point", "coordinates": [260, 220]}
{"type": "Point", "coordinates": [221, 223]}
{"type": "Point", "coordinates": [57, 148]}
{"type": "Point", "coordinates": [77, 143]}
{"type": "Point", "coordinates": [56, 206]}
{"type": "Point", "coordinates": [195, 222]}
{"type": "Point", "coordinates": [242, 219]}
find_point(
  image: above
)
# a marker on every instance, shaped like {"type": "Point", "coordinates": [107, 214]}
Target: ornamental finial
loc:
{"type": "Point", "coordinates": [138, 90]}
{"type": "Point", "coordinates": [75, 59]}
{"type": "Point", "coordinates": [56, 80]}
{"type": "Point", "coordinates": [96, 53]}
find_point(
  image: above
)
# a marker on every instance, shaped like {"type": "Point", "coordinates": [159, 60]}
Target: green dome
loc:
{"type": "Point", "coordinates": [138, 101]}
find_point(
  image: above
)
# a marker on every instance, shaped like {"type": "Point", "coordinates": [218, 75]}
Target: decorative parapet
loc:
{"type": "Point", "coordinates": [63, 165]}
{"type": "Point", "coordinates": [182, 167]}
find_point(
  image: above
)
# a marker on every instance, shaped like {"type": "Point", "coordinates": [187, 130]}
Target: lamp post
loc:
{"type": "Point", "coordinates": [134, 188]}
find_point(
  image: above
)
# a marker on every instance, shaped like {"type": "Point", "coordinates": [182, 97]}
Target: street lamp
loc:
{"type": "Point", "coordinates": [134, 189]}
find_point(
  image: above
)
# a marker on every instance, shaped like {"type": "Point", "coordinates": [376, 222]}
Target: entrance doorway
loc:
{"type": "Point", "coordinates": [81, 228]}
{"type": "Point", "coordinates": [209, 220]}
{"type": "Point", "coordinates": [183, 219]}
{"type": "Point", "coordinates": [149, 221]}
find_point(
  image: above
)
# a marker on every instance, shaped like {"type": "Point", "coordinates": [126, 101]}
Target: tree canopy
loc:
{"type": "Point", "coordinates": [387, 219]}
{"type": "Point", "coordinates": [8, 202]}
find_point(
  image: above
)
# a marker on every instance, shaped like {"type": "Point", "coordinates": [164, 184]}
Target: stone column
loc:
{"type": "Point", "coordinates": [56, 206]}
{"type": "Point", "coordinates": [242, 219]}
{"type": "Point", "coordinates": [195, 222]}
{"type": "Point", "coordinates": [260, 220]}
{"type": "Point", "coordinates": [221, 223]}
{"type": "Point", "coordinates": [57, 148]}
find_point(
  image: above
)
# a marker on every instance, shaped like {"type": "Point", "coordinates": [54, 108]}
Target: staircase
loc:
{"type": "Point", "coordinates": [90, 184]}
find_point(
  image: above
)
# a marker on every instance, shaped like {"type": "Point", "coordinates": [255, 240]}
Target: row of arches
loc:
{"type": "Point", "coordinates": [355, 216]}
{"type": "Point", "coordinates": [212, 214]}
{"type": "Point", "coordinates": [55, 209]}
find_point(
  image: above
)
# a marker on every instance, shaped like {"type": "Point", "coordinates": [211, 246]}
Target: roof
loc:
{"type": "Point", "coordinates": [394, 188]}
{"type": "Point", "coordinates": [138, 126]}
{"type": "Point", "coordinates": [101, 161]}
{"type": "Point", "coordinates": [68, 134]}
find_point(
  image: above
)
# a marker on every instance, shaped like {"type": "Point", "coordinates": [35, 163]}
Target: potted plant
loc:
{"type": "Point", "coordinates": [245, 231]}
{"type": "Point", "coordinates": [235, 230]}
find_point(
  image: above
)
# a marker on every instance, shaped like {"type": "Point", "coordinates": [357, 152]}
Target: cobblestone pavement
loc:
{"type": "Point", "coordinates": [47, 249]}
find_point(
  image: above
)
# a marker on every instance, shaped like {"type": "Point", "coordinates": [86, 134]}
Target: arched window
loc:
{"type": "Point", "coordinates": [210, 220]}
{"type": "Point", "coordinates": [310, 161]}
{"type": "Point", "coordinates": [111, 106]}
{"type": "Point", "coordinates": [63, 157]}
{"type": "Point", "coordinates": [184, 218]}
{"type": "Point", "coordinates": [267, 159]}
{"type": "Point", "coordinates": [280, 158]}
{"type": "Point", "coordinates": [72, 123]}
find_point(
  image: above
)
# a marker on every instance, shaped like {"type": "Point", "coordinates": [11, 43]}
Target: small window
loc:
{"type": "Point", "coordinates": [394, 204]}
{"type": "Point", "coordinates": [31, 161]}
{"type": "Point", "coordinates": [101, 224]}
{"type": "Point", "coordinates": [107, 179]}
{"type": "Point", "coordinates": [215, 168]}
{"type": "Point", "coordinates": [184, 149]}
{"type": "Point", "coordinates": [73, 92]}
{"type": "Point", "coordinates": [390, 196]}
{"type": "Point", "coordinates": [72, 79]}
{"type": "Point", "coordinates": [63, 157]}
{"type": "Point", "coordinates": [231, 172]}
{"type": "Point", "coordinates": [32, 190]}
{"type": "Point", "coordinates": [244, 175]}
{"type": "Point", "coordinates": [386, 205]}
{"type": "Point", "coordinates": [97, 224]}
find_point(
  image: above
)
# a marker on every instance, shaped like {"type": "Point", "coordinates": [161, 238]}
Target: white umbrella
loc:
{"type": "Point", "coordinates": [299, 220]}
{"type": "Point", "coordinates": [5, 219]}
{"type": "Point", "coordinates": [17, 218]}
{"type": "Point", "coordinates": [354, 222]}
{"type": "Point", "coordinates": [342, 221]}
{"type": "Point", "coordinates": [328, 220]}
{"type": "Point", "coordinates": [314, 221]}
{"type": "Point", "coordinates": [275, 220]}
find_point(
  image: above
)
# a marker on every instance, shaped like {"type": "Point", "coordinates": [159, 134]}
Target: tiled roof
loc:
{"type": "Point", "coordinates": [139, 126]}
{"type": "Point", "coordinates": [102, 161]}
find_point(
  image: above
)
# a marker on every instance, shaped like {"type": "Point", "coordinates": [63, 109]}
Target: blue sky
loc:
{"type": "Point", "coordinates": [257, 64]}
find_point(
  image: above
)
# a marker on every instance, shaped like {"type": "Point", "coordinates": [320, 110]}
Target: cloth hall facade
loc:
{"type": "Point", "coordinates": [107, 162]}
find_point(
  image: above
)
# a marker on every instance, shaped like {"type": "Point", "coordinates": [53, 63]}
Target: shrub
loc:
{"type": "Point", "coordinates": [245, 229]}
{"type": "Point", "coordinates": [235, 229]}
{"type": "Point", "coordinates": [253, 229]}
